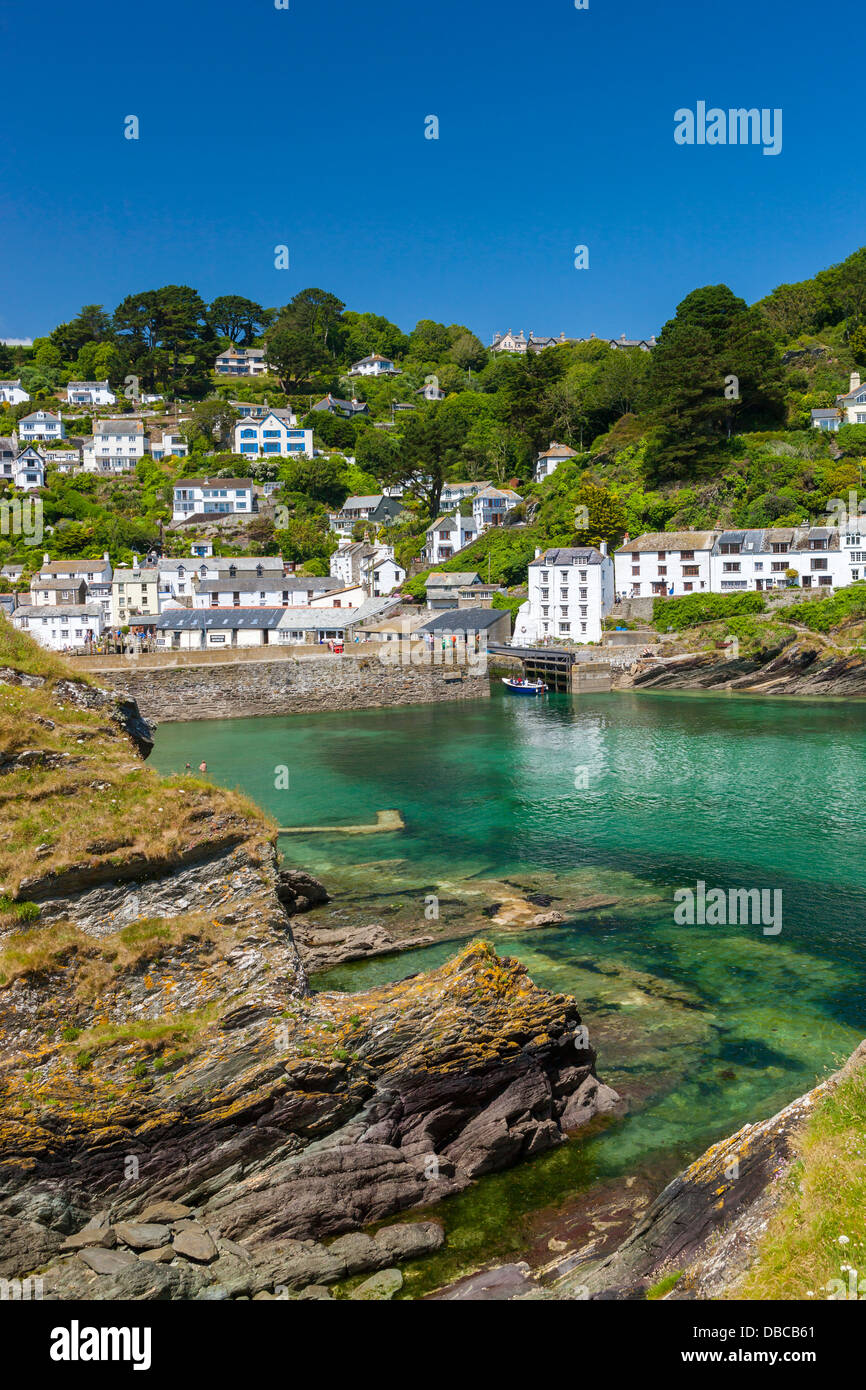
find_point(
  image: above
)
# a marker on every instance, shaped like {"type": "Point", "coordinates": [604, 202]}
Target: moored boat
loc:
{"type": "Point", "coordinates": [518, 686]}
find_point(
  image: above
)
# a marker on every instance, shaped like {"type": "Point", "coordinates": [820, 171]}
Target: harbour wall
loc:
{"type": "Point", "coordinates": [241, 689]}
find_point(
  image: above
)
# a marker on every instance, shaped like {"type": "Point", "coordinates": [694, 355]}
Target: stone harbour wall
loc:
{"type": "Point", "coordinates": [238, 690]}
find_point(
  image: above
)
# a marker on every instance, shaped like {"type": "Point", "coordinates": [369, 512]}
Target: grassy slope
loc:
{"type": "Point", "coordinates": [101, 807]}
{"type": "Point", "coordinates": [819, 1234]}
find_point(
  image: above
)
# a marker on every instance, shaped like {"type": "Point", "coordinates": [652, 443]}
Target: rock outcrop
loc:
{"type": "Point", "coordinates": [799, 668]}
{"type": "Point", "coordinates": [179, 1115]}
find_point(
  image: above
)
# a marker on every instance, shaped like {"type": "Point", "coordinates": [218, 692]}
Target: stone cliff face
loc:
{"type": "Point", "coordinates": [164, 1065]}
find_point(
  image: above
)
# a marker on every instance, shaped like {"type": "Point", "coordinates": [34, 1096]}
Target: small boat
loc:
{"type": "Point", "coordinates": [518, 686]}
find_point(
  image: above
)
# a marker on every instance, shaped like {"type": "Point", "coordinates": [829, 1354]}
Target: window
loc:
{"type": "Point", "coordinates": [779, 566]}
{"type": "Point", "coordinates": [731, 567]}
{"type": "Point", "coordinates": [690, 569]}
{"type": "Point", "coordinates": [662, 556]}
{"type": "Point", "coordinates": [635, 569]}
{"type": "Point", "coordinates": [663, 569]}
{"type": "Point", "coordinates": [819, 564]}
{"type": "Point", "coordinates": [759, 565]}
{"type": "Point", "coordinates": [687, 588]}
{"type": "Point", "coordinates": [687, 554]}
{"type": "Point", "coordinates": [730, 548]}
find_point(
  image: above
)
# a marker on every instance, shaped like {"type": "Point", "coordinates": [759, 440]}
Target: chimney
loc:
{"type": "Point", "coordinates": [105, 556]}
{"type": "Point", "coordinates": [538, 552]}
{"type": "Point", "coordinates": [46, 559]}
{"type": "Point", "coordinates": [602, 545]}
{"type": "Point", "coordinates": [855, 381]}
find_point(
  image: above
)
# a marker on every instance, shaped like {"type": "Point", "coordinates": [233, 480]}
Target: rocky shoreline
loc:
{"type": "Point", "coordinates": [801, 668]}
{"type": "Point", "coordinates": [159, 1045]}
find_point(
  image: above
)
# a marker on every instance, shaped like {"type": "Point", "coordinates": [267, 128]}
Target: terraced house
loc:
{"type": "Point", "coordinates": [664, 563]}
{"type": "Point", "coordinates": [134, 594]}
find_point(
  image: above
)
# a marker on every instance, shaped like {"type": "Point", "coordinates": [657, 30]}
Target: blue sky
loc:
{"type": "Point", "coordinates": [305, 127]}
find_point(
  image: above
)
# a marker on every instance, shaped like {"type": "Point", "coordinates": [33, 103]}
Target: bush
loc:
{"type": "Point", "coordinates": [823, 614]}
{"type": "Point", "coordinates": [692, 609]}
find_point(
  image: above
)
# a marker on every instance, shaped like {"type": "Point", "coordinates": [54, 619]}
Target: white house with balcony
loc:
{"type": "Point", "coordinates": [276, 435]}
{"type": "Point", "coordinates": [13, 393]}
{"type": "Point", "coordinates": [115, 445]}
{"type": "Point", "coordinates": [208, 498]}
{"type": "Point", "coordinates": [167, 443]}
{"type": "Point", "coordinates": [491, 505]}
{"type": "Point", "coordinates": [41, 425]}
{"type": "Point", "coordinates": [664, 563]}
{"type": "Point", "coordinates": [454, 493]}
{"type": "Point", "coordinates": [29, 470]}
{"type": "Point", "coordinates": [447, 535]}
{"type": "Point", "coordinates": [90, 393]}
{"type": "Point", "coordinates": [375, 365]}
{"type": "Point", "coordinates": [571, 592]}
{"type": "Point", "coordinates": [237, 361]}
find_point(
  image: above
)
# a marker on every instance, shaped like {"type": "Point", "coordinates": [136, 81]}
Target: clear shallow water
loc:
{"type": "Point", "coordinates": [703, 1028]}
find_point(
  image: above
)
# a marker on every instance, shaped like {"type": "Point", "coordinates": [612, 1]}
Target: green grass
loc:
{"type": "Point", "coordinates": [663, 1286]}
{"type": "Point", "coordinates": [821, 1225]}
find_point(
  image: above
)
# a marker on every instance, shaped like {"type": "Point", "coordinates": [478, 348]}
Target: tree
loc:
{"type": "Point", "coordinates": [429, 341]}
{"type": "Point", "coordinates": [715, 364]}
{"type": "Point", "coordinates": [167, 337]}
{"type": "Point", "coordinates": [429, 449]}
{"type": "Point", "coordinates": [318, 478]}
{"type": "Point", "coordinates": [238, 319]}
{"type": "Point", "coordinates": [211, 424]}
{"type": "Point", "coordinates": [307, 336]}
{"type": "Point", "coordinates": [468, 351]}
{"type": "Point", "coordinates": [91, 325]}
{"type": "Point", "coordinates": [599, 516]}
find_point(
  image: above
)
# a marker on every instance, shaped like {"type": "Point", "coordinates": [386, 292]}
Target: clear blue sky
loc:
{"type": "Point", "coordinates": [306, 127]}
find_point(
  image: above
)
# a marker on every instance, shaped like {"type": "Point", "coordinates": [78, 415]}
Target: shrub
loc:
{"type": "Point", "coordinates": [692, 609]}
{"type": "Point", "coordinates": [823, 614]}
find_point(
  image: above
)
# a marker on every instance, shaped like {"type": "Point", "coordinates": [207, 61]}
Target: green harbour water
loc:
{"type": "Point", "coordinates": [624, 798]}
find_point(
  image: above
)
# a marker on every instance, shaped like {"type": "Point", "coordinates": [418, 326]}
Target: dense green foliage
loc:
{"type": "Point", "coordinates": [825, 614]}
{"type": "Point", "coordinates": [692, 609]}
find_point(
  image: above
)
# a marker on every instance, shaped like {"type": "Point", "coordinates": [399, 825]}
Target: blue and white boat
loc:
{"type": "Point", "coordinates": [518, 686]}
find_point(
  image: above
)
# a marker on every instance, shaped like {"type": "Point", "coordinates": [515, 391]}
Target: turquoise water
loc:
{"type": "Point", "coordinates": [624, 797]}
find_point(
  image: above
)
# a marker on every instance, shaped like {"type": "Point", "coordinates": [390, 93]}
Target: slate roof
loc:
{"type": "Point", "coordinates": [464, 620]}
{"type": "Point", "coordinates": [451, 579]}
{"type": "Point", "coordinates": [218, 619]}
{"type": "Point", "coordinates": [109, 427]}
{"type": "Point", "coordinates": [584, 555]}
{"type": "Point", "coordinates": [213, 482]}
{"type": "Point", "coordinates": [60, 610]}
